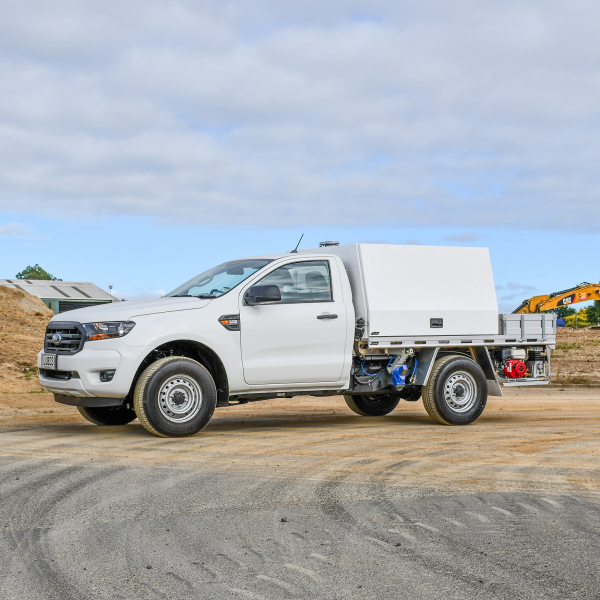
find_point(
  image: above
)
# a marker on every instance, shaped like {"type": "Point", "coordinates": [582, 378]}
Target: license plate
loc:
{"type": "Point", "coordinates": [49, 361]}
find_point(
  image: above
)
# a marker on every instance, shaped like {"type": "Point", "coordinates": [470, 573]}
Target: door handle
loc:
{"type": "Point", "coordinates": [327, 316]}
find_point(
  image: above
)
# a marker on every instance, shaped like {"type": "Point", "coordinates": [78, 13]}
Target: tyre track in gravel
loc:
{"type": "Point", "coordinates": [442, 555]}
{"type": "Point", "coordinates": [27, 510]}
{"type": "Point", "coordinates": [315, 506]}
{"type": "Point", "coordinates": [249, 548]}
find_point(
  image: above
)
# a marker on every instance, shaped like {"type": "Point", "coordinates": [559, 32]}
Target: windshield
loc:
{"type": "Point", "coordinates": [221, 279]}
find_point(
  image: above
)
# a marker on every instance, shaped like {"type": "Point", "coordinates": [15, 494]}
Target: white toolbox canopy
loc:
{"type": "Point", "coordinates": [406, 290]}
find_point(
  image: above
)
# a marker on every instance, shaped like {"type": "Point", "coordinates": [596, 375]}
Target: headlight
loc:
{"type": "Point", "coordinates": [107, 330]}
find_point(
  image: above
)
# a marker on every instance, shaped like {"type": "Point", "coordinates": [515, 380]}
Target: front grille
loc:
{"type": "Point", "coordinates": [72, 335]}
{"type": "Point", "coordinates": [64, 375]}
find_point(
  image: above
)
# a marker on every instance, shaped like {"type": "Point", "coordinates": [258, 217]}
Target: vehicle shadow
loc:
{"type": "Point", "coordinates": [231, 423]}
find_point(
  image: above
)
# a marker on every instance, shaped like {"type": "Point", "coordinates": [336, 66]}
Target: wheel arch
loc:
{"type": "Point", "coordinates": [479, 354]}
{"type": "Point", "coordinates": [197, 351]}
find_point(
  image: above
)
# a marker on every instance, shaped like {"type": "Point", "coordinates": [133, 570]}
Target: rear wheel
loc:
{"type": "Point", "coordinates": [109, 415]}
{"type": "Point", "coordinates": [456, 392]}
{"type": "Point", "coordinates": [373, 405]}
{"type": "Point", "coordinates": [175, 397]}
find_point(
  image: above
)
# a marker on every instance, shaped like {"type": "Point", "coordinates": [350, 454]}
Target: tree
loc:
{"type": "Point", "coordinates": [593, 312]}
{"type": "Point", "coordinates": [36, 272]}
{"type": "Point", "coordinates": [562, 312]}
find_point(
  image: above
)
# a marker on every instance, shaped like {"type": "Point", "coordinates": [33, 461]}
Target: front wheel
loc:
{"type": "Point", "coordinates": [175, 397]}
{"type": "Point", "coordinates": [108, 415]}
{"type": "Point", "coordinates": [372, 405]}
{"type": "Point", "coordinates": [456, 392]}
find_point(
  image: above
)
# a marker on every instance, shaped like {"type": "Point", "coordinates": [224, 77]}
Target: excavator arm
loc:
{"type": "Point", "coordinates": [581, 293]}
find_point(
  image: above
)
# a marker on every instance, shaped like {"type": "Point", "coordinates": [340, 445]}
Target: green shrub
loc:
{"type": "Point", "coordinates": [581, 317]}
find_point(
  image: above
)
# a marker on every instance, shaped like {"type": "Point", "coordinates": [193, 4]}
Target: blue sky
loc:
{"type": "Point", "coordinates": [164, 136]}
{"type": "Point", "coordinates": [142, 258]}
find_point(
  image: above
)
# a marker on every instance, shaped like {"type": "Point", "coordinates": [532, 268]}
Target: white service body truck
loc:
{"type": "Point", "coordinates": [377, 323]}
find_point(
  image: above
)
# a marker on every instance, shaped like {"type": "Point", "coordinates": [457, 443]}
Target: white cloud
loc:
{"type": "Point", "coordinates": [511, 285]}
{"type": "Point", "coordinates": [507, 297]}
{"type": "Point", "coordinates": [517, 292]}
{"type": "Point", "coordinates": [344, 113]}
{"type": "Point", "coordinates": [468, 236]}
{"type": "Point", "coordinates": [14, 229]}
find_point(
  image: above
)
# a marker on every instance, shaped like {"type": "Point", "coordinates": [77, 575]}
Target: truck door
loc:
{"type": "Point", "coordinates": [302, 338]}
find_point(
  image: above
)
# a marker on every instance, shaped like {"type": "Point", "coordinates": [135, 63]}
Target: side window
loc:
{"type": "Point", "coordinates": [302, 282]}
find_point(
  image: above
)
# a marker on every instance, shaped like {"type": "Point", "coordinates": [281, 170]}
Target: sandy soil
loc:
{"type": "Point", "coordinates": [576, 358]}
{"type": "Point", "coordinates": [23, 320]}
{"type": "Point", "coordinates": [546, 439]}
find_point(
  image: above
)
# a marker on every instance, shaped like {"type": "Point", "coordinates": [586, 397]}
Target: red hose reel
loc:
{"type": "Point", "coordinates": [515, 369]}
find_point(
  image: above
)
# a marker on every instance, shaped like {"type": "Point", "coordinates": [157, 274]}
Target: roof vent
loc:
{"type": "Point", "coordinates": [325, 244]}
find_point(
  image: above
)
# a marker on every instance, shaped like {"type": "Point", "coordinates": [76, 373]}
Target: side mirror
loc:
{"type": "Point", "coordinates": [260, 294]}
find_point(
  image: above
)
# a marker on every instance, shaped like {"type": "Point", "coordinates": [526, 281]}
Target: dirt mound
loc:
{"type": "Point", "coordinates": [577, 356]}
{"type": "Point", "coordinates": [23, 320]}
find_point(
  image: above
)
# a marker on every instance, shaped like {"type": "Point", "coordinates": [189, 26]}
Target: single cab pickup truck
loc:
{"type": "Point", "coordinates": [375, 323]}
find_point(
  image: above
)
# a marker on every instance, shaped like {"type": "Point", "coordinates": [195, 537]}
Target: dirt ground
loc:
{"type": "Point", "coordinates": [301, 498]}
{"type": "Point", "coordinates": [576, 358]}
{"type": "Point", "coordinates": [527, 439]}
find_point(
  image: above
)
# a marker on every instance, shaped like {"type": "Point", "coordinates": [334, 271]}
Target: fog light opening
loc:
{"type": "Point", "coordinates": [106, 376]}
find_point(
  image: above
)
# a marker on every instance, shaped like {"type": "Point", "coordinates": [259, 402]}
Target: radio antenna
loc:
{"type": "Point", "coordinates": [295, 250]}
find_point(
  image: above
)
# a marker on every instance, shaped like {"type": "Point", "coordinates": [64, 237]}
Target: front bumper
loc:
{"type": "Point", "coordinates": [84, 370]}
{"type": "Point", "coordinates": [72, 387]}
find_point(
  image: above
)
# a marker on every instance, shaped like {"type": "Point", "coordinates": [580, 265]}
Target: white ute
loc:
{"type": "Point", "coordinates": [376, 323]}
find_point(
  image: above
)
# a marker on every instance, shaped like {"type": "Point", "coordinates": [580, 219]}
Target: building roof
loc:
{"type": "Point", "coordinates": [60, 290]}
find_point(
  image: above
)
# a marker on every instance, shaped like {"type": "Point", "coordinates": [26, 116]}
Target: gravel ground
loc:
{"type": "Point", "coordinates": [303, 499]}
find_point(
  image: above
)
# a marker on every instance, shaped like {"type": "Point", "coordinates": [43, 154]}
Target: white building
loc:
{"type": "Point", "coordinates": [62, 296]}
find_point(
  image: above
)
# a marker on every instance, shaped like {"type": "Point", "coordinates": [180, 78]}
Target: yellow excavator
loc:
{"type": "Point", "coordinates": [581, 293]}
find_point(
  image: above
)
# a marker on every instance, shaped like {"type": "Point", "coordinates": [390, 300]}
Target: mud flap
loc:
{"type": "Point", "coordinates": [425, 360]}
{"type": "Point", "coordinates": [494, 388]}
{"type": "Point", "coordinates": [482, 357]}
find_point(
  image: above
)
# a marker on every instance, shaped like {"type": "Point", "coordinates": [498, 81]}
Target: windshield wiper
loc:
{"type": "Point", "coordinates": [202, 296]}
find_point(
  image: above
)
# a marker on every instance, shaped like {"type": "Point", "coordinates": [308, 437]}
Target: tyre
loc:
{"type": "Point", "coordinates": [374, 405]}
{"type": "Point", "coordinates": [456, 392]}
{"type": "Point", "coordinates": [175, 397]}
{"type": "Point", "coordinates": [109, 415]}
